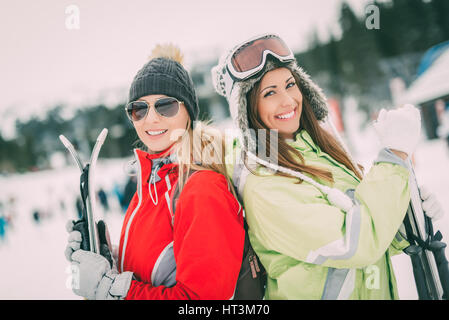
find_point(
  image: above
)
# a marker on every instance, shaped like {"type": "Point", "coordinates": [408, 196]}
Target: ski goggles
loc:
{"type": "Point", "coordinates": [248, 58]}
{"type": "Point", "coordinates": [166, 107]}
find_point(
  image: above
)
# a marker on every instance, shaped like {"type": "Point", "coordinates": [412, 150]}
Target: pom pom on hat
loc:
{"type": "Point", "coordinates": [165, 74]}
{"type": "Point", "coordinates": [169, 51]}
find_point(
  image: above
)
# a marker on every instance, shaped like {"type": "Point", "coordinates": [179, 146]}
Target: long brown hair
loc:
{"type": "Point", "coordinates": [287, 155]}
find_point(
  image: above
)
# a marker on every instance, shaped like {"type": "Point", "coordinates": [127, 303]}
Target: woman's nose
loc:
{"type": "Point", "coordinates": [152, 115]}
{"type": "Point", "coordinates": [287, 100]}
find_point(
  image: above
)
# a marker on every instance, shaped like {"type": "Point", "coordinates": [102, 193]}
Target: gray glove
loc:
{"type": "Point", "coordinates": [94, 279]}
{"type": "Point", "coordinates": [74, 240]}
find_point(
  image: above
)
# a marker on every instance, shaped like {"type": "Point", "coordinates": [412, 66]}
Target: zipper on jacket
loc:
{"type": "Point", "coordinates": [128, 225]}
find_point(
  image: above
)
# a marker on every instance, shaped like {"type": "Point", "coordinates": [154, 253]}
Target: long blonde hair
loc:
{"type": "Point", "coordinates": [201, 148]}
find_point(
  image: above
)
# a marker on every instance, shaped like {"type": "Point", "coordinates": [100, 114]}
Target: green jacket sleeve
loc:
{"type": "Point", "coordinates": [397, 245]}
{"type": "Point", "coordinates": [297, 220]}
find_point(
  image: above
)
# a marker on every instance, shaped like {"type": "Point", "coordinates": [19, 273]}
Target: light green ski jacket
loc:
{"type": "Point", "coordinates": [313, 250]}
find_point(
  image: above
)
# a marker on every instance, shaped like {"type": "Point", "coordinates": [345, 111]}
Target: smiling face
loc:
{"type": "Point", "coordinates": [279, 102]}
{"type": "Point", "coordinates": [157, 132]}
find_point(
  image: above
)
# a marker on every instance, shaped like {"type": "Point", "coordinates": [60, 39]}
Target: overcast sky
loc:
{"type": "Point", "coordinates": [43, 62]}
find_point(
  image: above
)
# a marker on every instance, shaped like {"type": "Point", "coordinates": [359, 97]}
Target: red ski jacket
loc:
{"type": "Point", "coordinates": [198, 254]}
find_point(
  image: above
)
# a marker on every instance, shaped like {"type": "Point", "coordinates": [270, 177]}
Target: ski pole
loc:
{"type": "Point", "coordinates": [419, 230]}
{"type": "Point", "coordinates": [438, 249]}
{"type": "Point", "coordinates": [415, 253]}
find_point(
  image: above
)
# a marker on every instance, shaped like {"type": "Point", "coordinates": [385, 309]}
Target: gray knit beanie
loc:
{"type": "Point", "coordinates": [165, 76]}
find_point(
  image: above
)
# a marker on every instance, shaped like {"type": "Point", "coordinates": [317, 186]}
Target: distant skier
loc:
{"type": "Point", "coordinates": [10, 212]}
{"type": "Point", "coordinates": [117, 191]}
{"type": "Point", "coordinates": [79, 207]}
{"type": "Point", "coordinates": [3, 224]}
{"type": "Point", "coordinates": [130, 189]}
{"type": "Point", "coordinates": [103, 199]}
{"type": "Point", "coordinates": [36, 216]}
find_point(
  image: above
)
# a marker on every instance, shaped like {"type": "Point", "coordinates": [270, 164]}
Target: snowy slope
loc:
{"type": "Point", "coordinates": [33, 264]}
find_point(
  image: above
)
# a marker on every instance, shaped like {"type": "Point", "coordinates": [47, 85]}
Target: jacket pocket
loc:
{"type": "Point", "coordinates": [164, 271]}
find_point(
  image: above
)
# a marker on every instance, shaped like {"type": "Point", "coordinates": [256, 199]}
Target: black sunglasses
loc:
{"type": "Point", "coordinates": [166, 107]}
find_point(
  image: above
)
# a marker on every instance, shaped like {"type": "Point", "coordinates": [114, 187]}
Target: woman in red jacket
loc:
{"type": "Point", "coordinates": [195, 254]}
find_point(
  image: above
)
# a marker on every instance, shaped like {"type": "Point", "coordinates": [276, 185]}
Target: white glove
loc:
{"type": "Point", "coordinates": [94, 279]}
{"type": "Point", "coordinates": [399, 129]}
{"type": "Point", "coordinates": [431, 206]}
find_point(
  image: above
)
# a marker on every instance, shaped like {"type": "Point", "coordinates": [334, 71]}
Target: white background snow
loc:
{"type": "Point", "coordinates": [32, 262]}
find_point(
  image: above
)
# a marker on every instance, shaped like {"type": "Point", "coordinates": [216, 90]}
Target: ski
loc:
{"type": "Point", "coordinates": [426, 250]}
{"type": "Point", "coordinates": [87, 225]}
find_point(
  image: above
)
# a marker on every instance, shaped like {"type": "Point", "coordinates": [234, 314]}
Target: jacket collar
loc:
{"type": "Point", "coordinates": [304, 142]}
{"type": "Point", "coordinates": [150, 156]}
{"type": "Point", "coordinates": [151, 163]}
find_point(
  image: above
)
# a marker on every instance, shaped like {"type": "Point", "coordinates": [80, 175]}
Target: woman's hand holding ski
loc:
{"type": "Point", "coordinates": [95, 280]}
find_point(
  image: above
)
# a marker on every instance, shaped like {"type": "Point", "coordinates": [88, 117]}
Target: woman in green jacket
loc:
{"type": "Point", "coordinates": [321, 229]}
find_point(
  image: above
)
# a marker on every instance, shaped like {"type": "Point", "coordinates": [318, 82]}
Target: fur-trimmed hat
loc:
{"type": "Point", "coordinates": [236, 94]}
{"type": "Point", "coordinates": [236, 91]}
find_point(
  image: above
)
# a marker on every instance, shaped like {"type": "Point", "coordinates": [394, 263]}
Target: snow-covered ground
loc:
{"type": "Point", "coordinates": [32, 262]}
